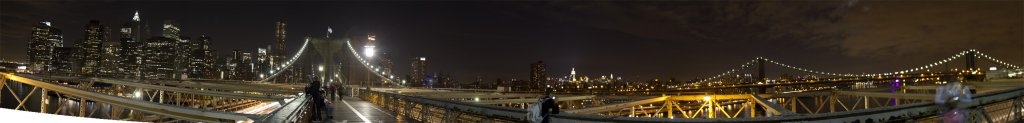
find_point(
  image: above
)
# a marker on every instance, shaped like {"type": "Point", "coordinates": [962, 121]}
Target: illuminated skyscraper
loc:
{"type": "Point", "coordinates": [110, 58]}
{"type": "Point", "coordinates": [262, 62]}
{"type": "Point", "coordinates": [201, 59]}
{"type": "Point", "coordinates": [279, 35]}
{"type": "Point", "coordinates": [159, 54]}
{"type": "Point", "coordinates": [538, 76]}
{"type": "Point", "coordinates": [92, 47]}
{"type": "Point", "coordinates": [131, 47]}
{"type": "Point", "coordinates": [244, 65]}
{"type": "Point", "coordinates": [64, 61]}
{"type": "Point", "coordinates": [182, 56]}
{"type": "Point", "coordinates": [418, 72]}
{"type": "Point", "coordinates": [45, 38]}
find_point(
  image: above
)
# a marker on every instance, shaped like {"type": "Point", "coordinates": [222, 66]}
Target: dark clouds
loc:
{"type": "Point", "coordinates": [884, 34]}
{"type": "Point", "coordinates": [932, 29]}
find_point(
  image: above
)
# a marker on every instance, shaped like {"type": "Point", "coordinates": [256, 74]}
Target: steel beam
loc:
{"type": "Point", "coordinates": [156, 108]}
{"type": "Point", "coordinates": [194, 91]}
{"type": "Point", "coordinates": [476, 95]}
{"type": "Point", "coordinates": [888, 95]}
{"type": "Point", "coordinates": [270, 89]}
{"type": "Point", "coordinates": [772, 108]}
{"type": "Point", "coordinates": [620, 106]}
{"type": "Point", "coordinates": [530, 100]}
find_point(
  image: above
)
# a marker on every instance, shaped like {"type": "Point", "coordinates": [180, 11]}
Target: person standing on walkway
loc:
{"type": "Point", "coordinates": [948, 96]}
{"type": "Point", "coordinates": [334, 90]}
{"type": "Point", "coordinates": [548, 106]}
{"type": "Point", "coordinates": [313, 93]}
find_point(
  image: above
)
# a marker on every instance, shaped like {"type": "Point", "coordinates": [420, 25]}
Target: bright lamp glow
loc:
{"type": "Point", "coordinates": [369, 51]}
{"type": "Point", "coordinates": [137, 93]}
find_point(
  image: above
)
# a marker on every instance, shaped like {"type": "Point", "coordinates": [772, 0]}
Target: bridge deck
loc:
{"type": "Point", "coordinates": [355, 110]}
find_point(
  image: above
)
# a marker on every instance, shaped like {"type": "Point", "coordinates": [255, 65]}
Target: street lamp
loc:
{"type": "Point", "coordinates": [369, 51]}
{"type": "Point", "coordinates": [321, 69]}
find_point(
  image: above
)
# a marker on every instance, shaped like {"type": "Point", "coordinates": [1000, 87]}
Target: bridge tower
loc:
{"type": "Point", "coordinates": [760, 69]}
{"type": "Point", "coordinates": [760, 77]}
{"type": "Point", "coordinates": [971, 63]}
{"type": "Point", "coordinates": [329, 50]}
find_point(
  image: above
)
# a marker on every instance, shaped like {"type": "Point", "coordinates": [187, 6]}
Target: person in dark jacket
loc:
{"type": "Point", "coordinates": [313, 92]}
{"type": "Point", "coordinates": [333, 91]}
{"type": "Point", "coordinates": [549, 106]}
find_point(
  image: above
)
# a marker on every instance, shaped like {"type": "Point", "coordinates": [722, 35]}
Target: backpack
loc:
{"type": "Point", "coordinates": [534, 116]}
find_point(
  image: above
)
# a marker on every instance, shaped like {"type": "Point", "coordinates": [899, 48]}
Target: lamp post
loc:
{"type": "Point", "coordinates": [321, 69]}
{"type": "Point", "coordinates": [369, 50]}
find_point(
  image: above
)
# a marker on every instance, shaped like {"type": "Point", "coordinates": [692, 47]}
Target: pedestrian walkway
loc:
{"type": "Point", "coordinates": [355, 110]}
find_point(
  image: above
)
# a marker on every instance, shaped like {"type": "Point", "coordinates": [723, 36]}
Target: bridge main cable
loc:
{"type": "Point", "coordinates": [280, 69]}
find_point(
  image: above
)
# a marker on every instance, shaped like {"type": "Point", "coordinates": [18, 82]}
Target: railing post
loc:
{"type": "Point", "coordinates": [866, 102]}
{"type": "Point", "coordinates": [832, 102]}
{"type": "Point", "coordinates": [792, 103]}
{"type": "Point", "coordinates": [81, 107]}
{"type": "Point", "coordinates": [42, 101]}
{"type": "Point", "coordinates": [668, 104]}
{"type": "Point", "coordinates": [750, 107]}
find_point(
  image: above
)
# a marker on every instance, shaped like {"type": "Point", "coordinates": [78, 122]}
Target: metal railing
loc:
{"type": "Point", "coordinates": [1007, 103]}
{"type": "Point", "coordinates": [158, 109]}
{"type": "Point", "coordinates": [294, 111]}
{"type": "Point", "coordinates": [441, 111]}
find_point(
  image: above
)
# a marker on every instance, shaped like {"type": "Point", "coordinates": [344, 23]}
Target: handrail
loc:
{"type": "Point", "coordinates": [151, 107]}
{"type": "Point", "coordinates": [490, 111]}
{"type": "Point", "coordinates": [914, 110]}
{"type": "Point", "coordinates": [290, 112]}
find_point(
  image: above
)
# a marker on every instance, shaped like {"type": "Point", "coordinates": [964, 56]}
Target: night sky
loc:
{"type": "Point", "coordinates": [683, 39]}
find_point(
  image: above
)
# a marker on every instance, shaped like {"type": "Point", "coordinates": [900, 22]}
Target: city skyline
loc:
{"type": "Point", "coordinates": [501, 39]}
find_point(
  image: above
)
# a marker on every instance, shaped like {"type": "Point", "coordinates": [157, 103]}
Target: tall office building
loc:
{"type": "Point", "coordinates": [182, 56]}
{"type": "Point", "coordinates": [64, 61]}
{"type": "Point", "coordinates": [159, 54]}
{"type": "Point", "coordinates": [538, 76]}
{"type": "Point", "coordinates": [92, 47]}
{"type": "Point", "coordinates": [263, 62]}
{"type": "Point", "coordinates": [45, 37]}
{"type": "Point", "coordinates": [201, 59]}
{"type": "Point", "coordinates": [418, 72]}
{"type": "Point", "coordinates": [229, 65]}
{"type": "Point", "coordinates": [162, 57]}
{"type": "Point", "coordinates": [279, 35]}
{"type": "Point", "coordinates": [110, 59]}
{"type": "Point", "coordinates": [131, 47]}
{"type": "Point", "coordinates": [244, 65]}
